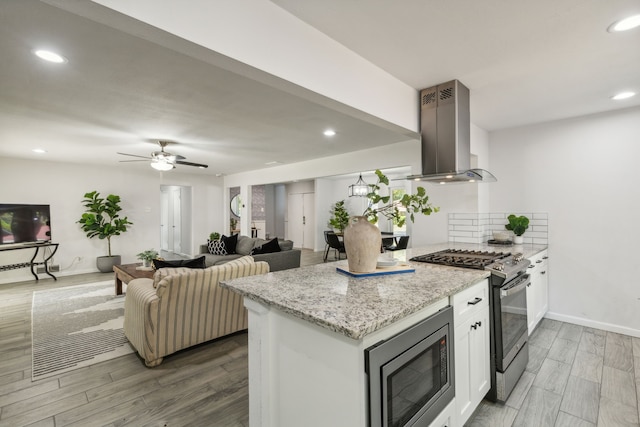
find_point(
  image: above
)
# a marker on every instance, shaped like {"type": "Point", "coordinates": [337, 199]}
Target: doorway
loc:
{"type": "Point", "coordinates": [301, 220]}
{"type": "Point", "coordinates": [175, 219]}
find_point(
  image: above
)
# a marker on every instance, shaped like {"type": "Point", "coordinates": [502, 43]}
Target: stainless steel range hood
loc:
{"type": "Point", "coordinates": [445, 127]}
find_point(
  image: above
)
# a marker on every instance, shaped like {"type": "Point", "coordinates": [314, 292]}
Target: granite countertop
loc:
{"type": "Point", "coordinates": [356, 307]}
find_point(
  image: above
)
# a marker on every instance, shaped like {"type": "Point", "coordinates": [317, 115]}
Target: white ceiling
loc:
{"type": "Point", "coordinates": [524, 62]}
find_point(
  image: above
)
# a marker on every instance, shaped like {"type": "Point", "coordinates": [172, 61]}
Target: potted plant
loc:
{"type": "Point", "coordinates": [214, 236]}
{"type": "Point", "coordinates": [362, 239]}
{"type": "Point", "coordinates": [102, 220]}
{"type": "Point", "coordinates": [517, 224]}
{"type": "Point", "coordinates": [147, 256]}
{"type": "Point", "coordinates": [234, 223]}
{"type": "Point", "coordinates": [339, 217]}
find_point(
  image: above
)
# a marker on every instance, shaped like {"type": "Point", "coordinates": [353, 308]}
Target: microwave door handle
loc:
{"type": "Point", "coordinates": [526, 279]}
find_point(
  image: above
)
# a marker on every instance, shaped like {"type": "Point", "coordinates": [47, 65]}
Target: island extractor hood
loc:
{"type": "Point", "coordinates": [445, 128]}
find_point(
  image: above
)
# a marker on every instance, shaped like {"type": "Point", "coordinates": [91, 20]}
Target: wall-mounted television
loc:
{"type": "Point", "coordinates": [24, 223]}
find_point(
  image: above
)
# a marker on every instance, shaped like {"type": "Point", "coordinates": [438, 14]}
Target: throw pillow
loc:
{"type": "Point", "coordinates": [230, 243]}
{"type": "Point", "coordinates": [285, 245]}
{"type": "Point", "coordinates": [188, 263]}
{"type": "Point", "coordinates": [216, 247]}
{"type": "Point", "coordinates": [245, 244]}
{"type": "Point", "coordinates": [267, 248]}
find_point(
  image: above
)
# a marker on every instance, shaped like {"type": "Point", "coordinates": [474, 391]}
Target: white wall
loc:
{"type": "Point", "coordinates": [582, 172]}
{"type": "Point", "coordinates": [63, 185]}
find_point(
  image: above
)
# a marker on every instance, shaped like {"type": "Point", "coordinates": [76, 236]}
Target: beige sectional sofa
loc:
{"type": "Point", "coordinates": [182, 307]}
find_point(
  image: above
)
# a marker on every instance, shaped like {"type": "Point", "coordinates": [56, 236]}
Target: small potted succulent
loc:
{"type": "Point", "coordinates": [517, 224]}
{"type": "Point", "coordinates": [214, 236]}
{"type": "Point", "coordinates": [147, 256]}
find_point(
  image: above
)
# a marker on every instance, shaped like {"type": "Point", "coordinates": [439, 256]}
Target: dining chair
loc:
{"type": "Point", "coordinates": [402, 244]}
{"type": "Point", "coordinates": [336, 244]}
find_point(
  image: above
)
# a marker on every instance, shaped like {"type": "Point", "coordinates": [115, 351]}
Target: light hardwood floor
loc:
{"type": "Point", "coordinates": [575, 375]}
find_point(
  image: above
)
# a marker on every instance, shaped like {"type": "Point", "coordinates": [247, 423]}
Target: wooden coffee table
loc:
{"type": "Point", "coordinates": [127, 272]}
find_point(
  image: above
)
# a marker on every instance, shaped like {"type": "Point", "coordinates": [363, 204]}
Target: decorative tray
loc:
{"type": "Point", "coordinates": [400, 268]}
{"type": "Point", "coordinates": [500, 242]}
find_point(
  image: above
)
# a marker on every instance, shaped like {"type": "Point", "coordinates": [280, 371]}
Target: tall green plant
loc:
{"type": "Point", "coordinates": [339, 216]}
{"type": "Point", "coordinates": [101, 218]}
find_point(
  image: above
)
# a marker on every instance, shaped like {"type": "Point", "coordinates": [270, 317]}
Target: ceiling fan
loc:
{"type": "Point", "coordinates": [163, 161]}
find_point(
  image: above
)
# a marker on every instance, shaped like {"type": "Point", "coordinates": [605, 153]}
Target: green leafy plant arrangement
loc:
{"type": "Point", "coordinates": [101, 218]}
{"type": "Point", "coordinates": [339, 216]}
{"type": "Point", "coordinates": [417, 203]}
{"type": "Point", "coordinates": [517, 224]}
{"type": "Point", "coordinates": [148, 255]}
{"type": "Point", "coordinates": [214, 236]}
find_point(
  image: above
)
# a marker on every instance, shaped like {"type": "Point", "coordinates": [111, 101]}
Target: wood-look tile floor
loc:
{"type": "Point", "coordinates": [576, 376]}
{"type": "Point", "coordinates": [202, 386]}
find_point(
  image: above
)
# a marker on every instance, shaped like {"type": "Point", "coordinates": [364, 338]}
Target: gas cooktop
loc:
{"type": "Point", "coordinates": [504, 265]}
{"type": "Point", "coordinates": [462, 258]}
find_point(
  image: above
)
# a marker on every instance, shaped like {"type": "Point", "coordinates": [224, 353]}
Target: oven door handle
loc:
{"type": "Point", "coordinates": [521, 284]}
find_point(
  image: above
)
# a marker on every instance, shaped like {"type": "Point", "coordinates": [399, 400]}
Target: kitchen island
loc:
{"type": "Point", "coordinates": [309, 327]}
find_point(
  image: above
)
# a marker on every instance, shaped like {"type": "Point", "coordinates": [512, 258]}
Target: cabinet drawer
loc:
{"type": "Point", "coordinates": [467, 302]}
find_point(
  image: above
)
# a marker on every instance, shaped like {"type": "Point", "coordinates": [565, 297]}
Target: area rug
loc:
{"type": "Point", "coordinates": [76, 326]}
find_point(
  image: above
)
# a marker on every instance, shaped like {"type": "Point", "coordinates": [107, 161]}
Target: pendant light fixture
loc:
{"type": "Point", "coordinates": [359, 189]}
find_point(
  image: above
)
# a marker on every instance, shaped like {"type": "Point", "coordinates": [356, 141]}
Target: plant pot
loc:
{"type": "Point", "coordinates": [105, 263]}
{"type": "Point", "coordinates": [518, 240]}
{"type": "Point", "coordinates": [362, 242]}
{"type": "Point", "coordinates": [146, 263]}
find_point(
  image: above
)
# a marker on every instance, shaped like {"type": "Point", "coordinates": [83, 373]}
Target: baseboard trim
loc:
{"type": "Point", "coordinates": [593, 324]}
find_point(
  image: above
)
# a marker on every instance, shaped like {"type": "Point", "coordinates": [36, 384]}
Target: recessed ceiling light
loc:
{"type": "Point", "coordinates": [329, 132]}
{"type": "Point", "coordinates": [625, 24]}
{"type": "Point", "coordinates": [47, 55]}
{"type": "Point", "coordinates": [39, 150]}
{"type": "Point", "coordinates": [623, 95]}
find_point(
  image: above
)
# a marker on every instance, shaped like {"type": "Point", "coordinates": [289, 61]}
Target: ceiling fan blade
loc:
{"type": "Point", "coordinates": [134, 155]}
{"type": "Point", "coordinates": [199, 165]}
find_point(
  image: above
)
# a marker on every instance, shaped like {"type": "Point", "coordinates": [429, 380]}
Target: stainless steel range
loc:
{"type": "Point", "coordinates": [508, 305]}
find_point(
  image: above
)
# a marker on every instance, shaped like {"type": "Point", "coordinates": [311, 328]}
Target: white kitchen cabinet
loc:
{"type": "Point", "coordinates": [446, 417]}
{"type": "Point", "coordinates": [472, 352]}
{"type": "Point", "coordinates": [538, 290]}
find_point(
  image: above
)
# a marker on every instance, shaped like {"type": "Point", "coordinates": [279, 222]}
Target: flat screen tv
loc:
{"type": "Point", "coordinates": [24, 223]}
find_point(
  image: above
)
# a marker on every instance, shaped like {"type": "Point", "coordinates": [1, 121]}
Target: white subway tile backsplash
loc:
{"type": "Point", "coordinates": [464, 228]}
{"type": "Point", "coordinates": [461, 221]}
{"type": "Point", "coordinates": [479, 227]}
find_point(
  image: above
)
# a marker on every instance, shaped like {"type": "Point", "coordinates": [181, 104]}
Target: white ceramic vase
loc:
{"type": "Point", "coordinates": [518, 240]}
{"type": "Point", "coordinates": [362, 242]}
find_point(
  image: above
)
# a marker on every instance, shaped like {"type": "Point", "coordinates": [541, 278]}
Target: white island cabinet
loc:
{"type": "Point", "coordinates": [538, 289]}
{"type": "Point", "coordinates": [472, 352]}
{"type": "Point", "coordinates": [309, 328]}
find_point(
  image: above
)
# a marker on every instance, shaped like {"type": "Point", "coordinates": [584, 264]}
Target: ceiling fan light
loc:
{"type": "Point", "coordinates": [161, 165]}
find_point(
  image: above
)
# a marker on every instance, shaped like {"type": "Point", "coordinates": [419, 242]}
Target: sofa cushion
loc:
{"type": "Point", "coordinates": [285, 245]}
{"type": "Point", "coordinates": [189, 263]}
{"type": "Point", "coordinates": [216, 247]}
{"type": "Point", "coordinates": [267, 248]}
{"type": "Point", "coordinates": [161, 273]}
{"type": "Point", "coordinates": [230, 243]}
{"type": "Point", "coordinates": [245, 244]}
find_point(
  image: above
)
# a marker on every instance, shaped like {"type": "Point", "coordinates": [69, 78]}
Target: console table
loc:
{"type": "Point", "coordinates": [32, 263]}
